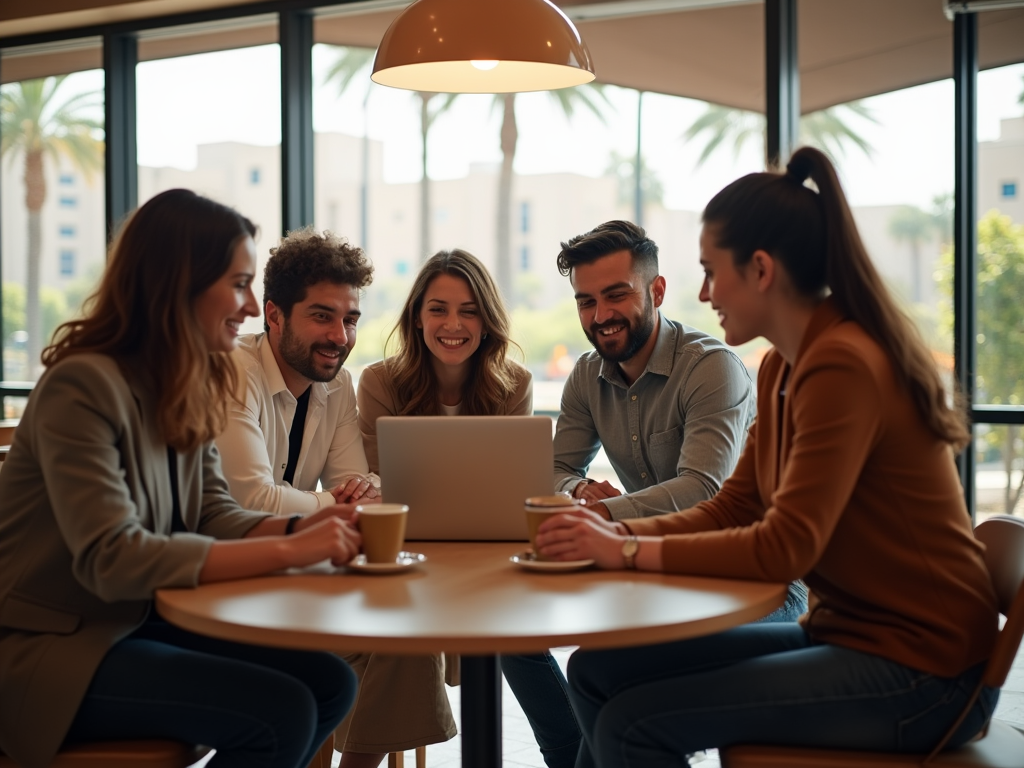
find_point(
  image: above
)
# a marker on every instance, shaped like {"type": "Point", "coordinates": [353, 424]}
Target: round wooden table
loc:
{"type": "Point", "coordinates": [468, 599]}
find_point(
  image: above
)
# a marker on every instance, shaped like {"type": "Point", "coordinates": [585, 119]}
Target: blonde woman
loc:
{"type": "Point", "coordinates": [452, 359]}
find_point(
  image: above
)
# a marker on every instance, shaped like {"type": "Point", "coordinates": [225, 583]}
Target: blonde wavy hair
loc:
{"type": "Point", "coordinates": [493, 378]}
{"type": "Point", "coordinates": [167, 253]}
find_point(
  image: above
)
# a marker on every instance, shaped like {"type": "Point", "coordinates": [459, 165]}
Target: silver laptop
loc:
{"type": "Point", "coordinates": [465, 477]}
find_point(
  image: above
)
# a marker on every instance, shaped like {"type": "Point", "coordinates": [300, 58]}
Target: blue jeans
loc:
{"type": "Point", "coordinates": [541, 689]}
{"type": "Point", "coordinates": [760, 684]}
{"type": "Point", "coordinates": [542, 692]}
{"type": "Point", "coordinates": [258, 707]}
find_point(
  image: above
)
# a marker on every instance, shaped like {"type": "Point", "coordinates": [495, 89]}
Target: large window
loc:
{"type": "Point", "coordinates": [211, 122]}
{"type": "Point", "coordinates": [1000, 284]}
{"type": "Point", "coordinates": [51, 195]}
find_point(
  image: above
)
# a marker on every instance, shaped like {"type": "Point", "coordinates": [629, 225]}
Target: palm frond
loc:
{"type": "Point", "coordinates": [590, 96]}
{"type": "Point", "coordinates": [350, 63]}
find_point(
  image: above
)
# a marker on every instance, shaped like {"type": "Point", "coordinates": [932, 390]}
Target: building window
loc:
{"type": "Point", "coordinates": [524, 217]}
{"type": "Point", "coordinates": [524, 258]}
{"type": "Point", "coordinates": [67, 179]}
{"type": "Point", "coordinates": [1008, 190]}
{"type": "Point", "coordinates": [67, 230]}
{"type": "Point", "coordinates": [69, 202]}
{"type": "Point", "coordinates": [254, 176]}
{"type": "Point", "coordinates": [67, 263]}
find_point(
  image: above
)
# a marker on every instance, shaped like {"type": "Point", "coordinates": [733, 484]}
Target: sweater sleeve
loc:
{"type": "Point", "coordinates": [836, 414]}
{"type": "Point", "coordinates": [374, 401]}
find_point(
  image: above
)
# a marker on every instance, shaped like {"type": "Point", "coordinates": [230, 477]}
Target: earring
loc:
{"type": "Point", "coordinates": [484, 336]}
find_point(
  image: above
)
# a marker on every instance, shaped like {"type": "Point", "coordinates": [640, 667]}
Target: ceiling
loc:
{"type": "Point", "coordinates": [705, 49]}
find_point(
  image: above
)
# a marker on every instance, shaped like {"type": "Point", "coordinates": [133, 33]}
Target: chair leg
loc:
{"type": "Point", "coordinates": [322, 759]}
{"type": "Point", "coordinates": [396, 760]}
{"type": "Point", "coordinates": [421, 757]}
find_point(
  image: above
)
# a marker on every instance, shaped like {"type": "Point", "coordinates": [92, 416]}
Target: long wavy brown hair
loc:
{"type": "Point", "coordinates": [167, 253]}
{"type": "Point", "coordinates": [813, 234]}
{"type": "Point", "coordinates": [492, 379]}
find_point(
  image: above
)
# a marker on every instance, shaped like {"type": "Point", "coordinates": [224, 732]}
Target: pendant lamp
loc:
{"type": "Point", "coordinates": [482, 46]}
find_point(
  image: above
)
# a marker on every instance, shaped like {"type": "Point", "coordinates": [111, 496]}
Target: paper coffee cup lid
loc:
{"type": "Point", "coordinates": [551, 501]}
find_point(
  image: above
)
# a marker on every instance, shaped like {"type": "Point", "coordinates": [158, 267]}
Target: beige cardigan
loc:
{"type": "Point", "coordinates": [85, 539]}
{"type": "Point", "coordinates": [376, 397]}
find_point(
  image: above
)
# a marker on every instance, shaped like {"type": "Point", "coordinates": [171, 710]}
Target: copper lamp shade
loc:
{"type": "Point", "coordinates": [482, 46]}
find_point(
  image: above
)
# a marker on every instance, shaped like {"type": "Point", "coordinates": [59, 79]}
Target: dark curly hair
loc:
{"type": "Point", "coordinates": [304, 258]}
{"type": "Point", "coordinates": [606, 239]}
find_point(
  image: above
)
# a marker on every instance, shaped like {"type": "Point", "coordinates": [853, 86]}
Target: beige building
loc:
{"type": "Point", "coordinates": [1001, 171]}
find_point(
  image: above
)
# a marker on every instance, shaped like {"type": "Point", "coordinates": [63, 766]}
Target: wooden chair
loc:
{"type": "Point", "coordinates": [123, 754]}
{"type": "Point", "coordinates": [397, 759]}
{"type": "Point", "coordinates": [146, 754]}
{"type": "Point", "coordinates": [1001, 745]}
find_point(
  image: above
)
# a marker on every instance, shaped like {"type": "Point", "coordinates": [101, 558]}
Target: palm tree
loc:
{"type": "Point", "coordinates": [590, 96]}
{"type": "Point", "coordinates": [825, 129]}
{"type": "Point", "coordinates": [37, 122]}
{"type": "Point", "coordinates": [353, 62]}
{"type": "Point", "coordinates": [623, 168]}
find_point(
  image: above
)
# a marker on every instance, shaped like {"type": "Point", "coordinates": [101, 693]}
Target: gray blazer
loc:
{"type": "Point", "coordinates": [85, 539]}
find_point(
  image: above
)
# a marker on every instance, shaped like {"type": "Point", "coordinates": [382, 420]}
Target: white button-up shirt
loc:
{"type": "Point", "coordinates": [254, 447]}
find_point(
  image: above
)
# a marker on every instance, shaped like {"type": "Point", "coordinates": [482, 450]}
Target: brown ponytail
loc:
{"type": "Point", "coordinates": [814, 236]}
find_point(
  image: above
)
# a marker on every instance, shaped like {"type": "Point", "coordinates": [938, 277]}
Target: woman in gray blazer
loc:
{"type": "Point", "coordinates": [113, 489]}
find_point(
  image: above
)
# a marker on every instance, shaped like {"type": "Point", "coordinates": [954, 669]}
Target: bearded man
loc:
{"type": "Point", "coordinates": [670, 404]}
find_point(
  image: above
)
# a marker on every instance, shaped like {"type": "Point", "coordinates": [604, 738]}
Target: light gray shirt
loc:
{"type": "Point", "coordinates": [673, 436]}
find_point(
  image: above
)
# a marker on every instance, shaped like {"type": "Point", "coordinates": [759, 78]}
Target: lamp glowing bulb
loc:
{"type": "Point", "coordinates": [485, 65]}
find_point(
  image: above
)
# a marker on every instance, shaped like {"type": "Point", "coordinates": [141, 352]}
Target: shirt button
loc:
{"type": "Point", "coordinates": [634, 438]}
{"type": "Point", "coordinates": [634, 397]}
{"type": "Point", "coordinates": [643, 474]}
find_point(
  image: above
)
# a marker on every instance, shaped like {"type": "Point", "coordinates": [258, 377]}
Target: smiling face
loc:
{"type": "Point", "coordinates": [450, 320]}
{"type": "Point", "coordinates": [731, 290]}
{"type": "Point", "coordinates": [222, 308]}
{"type": "Point", "coordinates": [617, 309]}
{"type": "Point", "coordinates": [314, 340]}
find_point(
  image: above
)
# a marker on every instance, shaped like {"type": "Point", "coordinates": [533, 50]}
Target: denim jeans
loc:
{"type": "Point", "coordinates": [760, 684]}
{"type": "Point", "coordinates": [258, 707]}
{"type": "Point", "coordinates": [540, 688]}
{"type": "Point", "coordinates": [542, 692]}
{"type": "Point", "coordinates": [793, 608]}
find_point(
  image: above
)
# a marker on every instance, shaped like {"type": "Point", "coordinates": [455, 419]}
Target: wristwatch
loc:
{"type": "Point", "coordinates": [629, 549]}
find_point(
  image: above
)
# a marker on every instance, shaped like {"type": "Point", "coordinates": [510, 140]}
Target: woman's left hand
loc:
{"type": "Point", "coordinates": [582, 535]}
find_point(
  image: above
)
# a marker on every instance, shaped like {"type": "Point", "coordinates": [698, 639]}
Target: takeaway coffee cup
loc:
{"type": "Point", "coordinates": [383, 529]}
{"type": "Point", "coordinates": [540, 508]}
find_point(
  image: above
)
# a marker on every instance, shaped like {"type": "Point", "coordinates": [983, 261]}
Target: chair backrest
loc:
{"type": "Point", "coordinates": [1003, 538]}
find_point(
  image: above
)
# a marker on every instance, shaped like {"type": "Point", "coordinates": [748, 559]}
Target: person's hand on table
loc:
{"type": "Point", "coordinates": [328, 538]}
{"type": "Point", "coordinates": [582, 535]}
{"type": "Point", "coordinates": [595, 491]}
{"type": "Point", "coordinates": [356, 489]}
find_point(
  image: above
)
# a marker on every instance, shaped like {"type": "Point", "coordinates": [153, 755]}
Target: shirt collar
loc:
{"type": "Point", "coordinates": [661, 358]}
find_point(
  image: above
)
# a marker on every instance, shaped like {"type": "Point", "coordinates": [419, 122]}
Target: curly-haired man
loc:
{"type": "Point", "coordinates": [294, 425]}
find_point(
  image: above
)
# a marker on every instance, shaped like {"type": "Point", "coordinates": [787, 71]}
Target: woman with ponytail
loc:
{"type": "Point", "coordinates": [847, 481]}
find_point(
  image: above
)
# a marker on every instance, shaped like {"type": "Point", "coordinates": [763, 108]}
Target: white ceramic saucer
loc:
{"type": "Point", "coordinates": [404, 562]}
{"type": "Point", "coordinates": [528, 561]}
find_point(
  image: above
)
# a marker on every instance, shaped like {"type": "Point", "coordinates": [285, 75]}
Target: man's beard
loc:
{"type": "Point", "coordinates": [635, 337]}
{"type": "Point", "coordinates": [302, 358]}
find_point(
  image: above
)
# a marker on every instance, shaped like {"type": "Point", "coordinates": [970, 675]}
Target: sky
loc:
{"type": "Point", "coordinates": [235, 95]}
